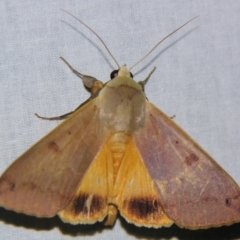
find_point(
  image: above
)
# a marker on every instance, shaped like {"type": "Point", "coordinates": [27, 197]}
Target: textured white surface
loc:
{"type": "Point", "coordinates": [197, 79]}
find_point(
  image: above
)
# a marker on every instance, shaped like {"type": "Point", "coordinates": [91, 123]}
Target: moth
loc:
{"type": "Point", "coordinates": [118, 153]}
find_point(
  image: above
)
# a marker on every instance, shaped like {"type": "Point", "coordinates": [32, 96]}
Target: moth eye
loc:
{"type": "Point", "coordinates": [114, 74]}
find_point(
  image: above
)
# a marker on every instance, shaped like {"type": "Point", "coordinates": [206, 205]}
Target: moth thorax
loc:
{"type": "Point", "coordinates": [118, 143]}
{"type": "Point", "coordinates": [122, 105]}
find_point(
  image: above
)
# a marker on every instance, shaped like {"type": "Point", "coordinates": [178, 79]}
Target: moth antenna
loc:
{"type": "Point", "coordinates": [79, 20]}
{"type": "Point", "coordinates": [161, 41]}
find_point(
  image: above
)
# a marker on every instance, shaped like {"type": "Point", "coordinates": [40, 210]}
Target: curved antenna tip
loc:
{"type": "Point", "coordinates": [79, 20]}
{"type": "Point", "coordinates": [162, 41]}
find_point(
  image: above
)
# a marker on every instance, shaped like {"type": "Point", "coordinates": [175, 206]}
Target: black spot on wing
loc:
{"type": "Point", "coordinates": [142, 207]}
{"type": "Point", "coordinates": [228, 202]}
{"type": "Point", "coordinates": [6, 185]}
{"type": "Point", "coordinates": [84, 203]}
{"type": "Point", "coordinates": [189, 160]}
{"type": "Point", "coordinates": [53, 146]}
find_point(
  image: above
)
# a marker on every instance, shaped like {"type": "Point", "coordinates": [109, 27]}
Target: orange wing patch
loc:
{"type": "Point", "coordinates": [116, 181]}
{"type": "Point", "coordinates": [90, 202]}
{"type": "Point", "coordinates": [137, 198]}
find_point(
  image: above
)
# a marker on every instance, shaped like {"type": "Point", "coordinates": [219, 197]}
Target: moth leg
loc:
{"type": "Point", "coordinates": [64, 116]}
{"type": "Point", "coordinates": [92, 84]}
{"type": "Point", "coordinates": [142, 83]}
{"type": "Point", "coordinates": [73, 70]}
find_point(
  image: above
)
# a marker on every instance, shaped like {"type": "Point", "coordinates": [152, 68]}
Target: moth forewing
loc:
{"type": "Point", "coordinates": [52, 169]}
{"type": "Point", "coordinates": [195, 191]}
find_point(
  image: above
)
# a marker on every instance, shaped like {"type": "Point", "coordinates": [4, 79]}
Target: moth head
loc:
{"type": "Point", "coordinates": [121, 72]}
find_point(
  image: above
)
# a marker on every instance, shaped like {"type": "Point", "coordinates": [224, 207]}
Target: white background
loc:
{"type": "Point", "coordinates": [197, 79]}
